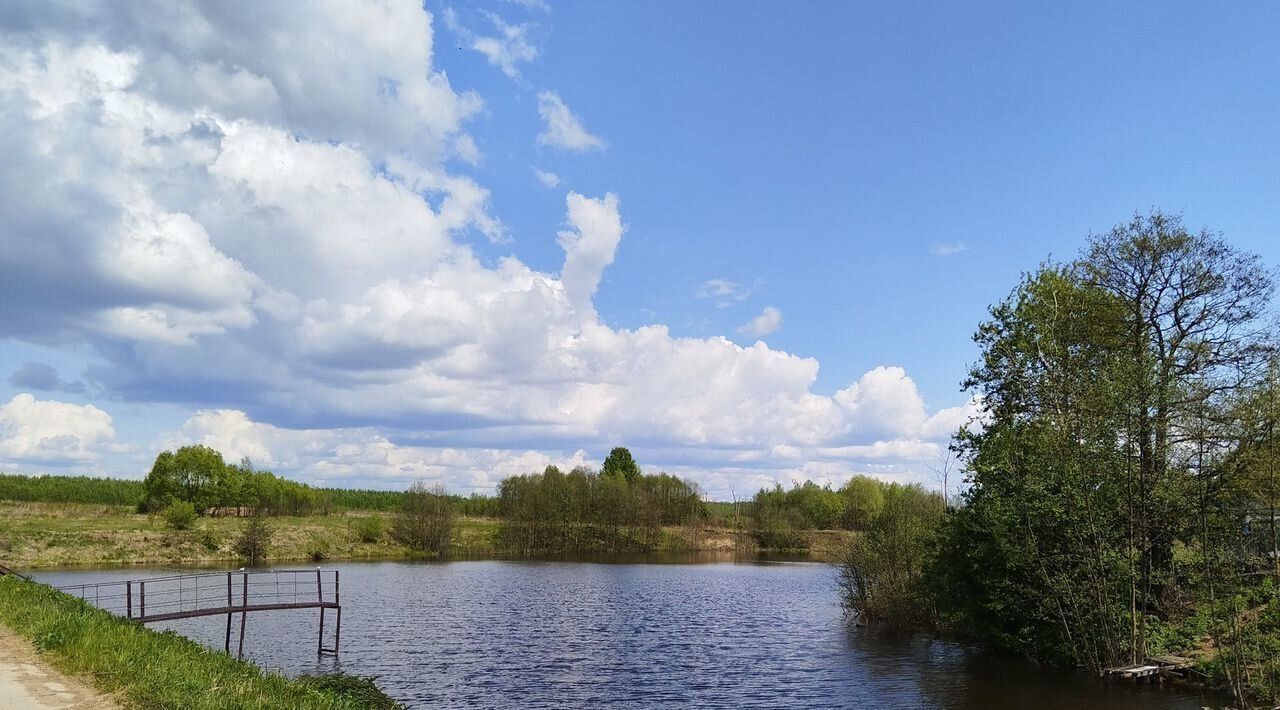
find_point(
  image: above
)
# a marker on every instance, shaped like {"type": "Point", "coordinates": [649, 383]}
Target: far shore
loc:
{"type": "Point", "coordinates": [51, 535]}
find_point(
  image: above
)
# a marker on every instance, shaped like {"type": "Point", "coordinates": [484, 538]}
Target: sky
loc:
{"type": "Point", "coordinates": [367, 244]}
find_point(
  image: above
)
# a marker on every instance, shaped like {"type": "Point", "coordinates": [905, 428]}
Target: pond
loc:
{"type": "Point", "coordinates": [698, 631]}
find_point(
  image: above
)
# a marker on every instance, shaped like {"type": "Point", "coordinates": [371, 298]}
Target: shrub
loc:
{"type": "Point", "coordinates": [317, 550]}
{"type": "Point", "coordinates": [883, 575]}
{"type": "Point", "coordinates": [254, 540]}
{"type": "Point", "coordinates": [180, 515]}
{"type": "Point", "coordinates": [210, 541]}
{"type": "Point", "coordinates": [370, 529]}
{"type": "Point", "coordinates": [425, 521]}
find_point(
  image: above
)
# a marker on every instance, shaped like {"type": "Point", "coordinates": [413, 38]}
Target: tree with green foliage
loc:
{"type": "Point", "coordinates": [254, 540]}
{"type": "Point", "coordinates": [583, 511]}
{"type": "Point", "coordinates": [863, 501]}
{"type": "Point", "coordinates": [425, 520]}
{"type": "Point", "coordinates": [620, 465]}
{"type": "Point", "coordinates": [1118, 463]}
{"type": "Point", "coordinates": [195, 474]}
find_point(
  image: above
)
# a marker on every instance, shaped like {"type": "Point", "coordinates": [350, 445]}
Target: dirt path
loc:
{"type": "Point", "coordinates": [29, 683]}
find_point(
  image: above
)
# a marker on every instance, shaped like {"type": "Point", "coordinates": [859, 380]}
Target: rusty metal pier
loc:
{"type": "Point", "coordinates": [187, 596]}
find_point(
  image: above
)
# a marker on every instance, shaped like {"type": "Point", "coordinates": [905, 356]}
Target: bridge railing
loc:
{"type": "Point", "coordinates": [186, 595]}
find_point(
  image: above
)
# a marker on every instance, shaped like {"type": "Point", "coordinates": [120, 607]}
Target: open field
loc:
{"type": "Point", "coordinates": [57, 534]}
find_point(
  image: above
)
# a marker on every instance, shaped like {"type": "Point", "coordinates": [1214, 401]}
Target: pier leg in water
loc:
{"type": "Point", "coordinates": [244, 602]}
{"type": "Point", "coordinates": [226, 645]}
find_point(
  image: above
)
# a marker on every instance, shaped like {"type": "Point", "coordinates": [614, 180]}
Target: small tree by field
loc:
{"type": "Point", "coordinates": [180, 515]}
{"type": "Point", "coordinates": [254, 540]}
{"type": "Point", "coordinates": [425, 520]}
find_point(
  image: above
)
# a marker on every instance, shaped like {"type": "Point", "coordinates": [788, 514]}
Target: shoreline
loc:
{"type": "Point", "coordinates": [67, 535]}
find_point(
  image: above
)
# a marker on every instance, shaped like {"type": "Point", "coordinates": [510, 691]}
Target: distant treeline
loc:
{"type": "Point", "coordinates": [70, 489]}
{"type": "Point", "coordinates": [198, 475]}
{"type": "Point", "coordinates": [203, 483]}
{"type": "Point", "coordinates": [618, 509]}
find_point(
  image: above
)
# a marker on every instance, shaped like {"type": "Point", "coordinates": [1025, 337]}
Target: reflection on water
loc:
{"type": "Point", "coordinates": [638, 632]}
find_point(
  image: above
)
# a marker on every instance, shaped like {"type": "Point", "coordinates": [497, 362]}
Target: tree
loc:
{"type": "Point", "coordinates": [254, 540]}
{"type": "Point", "coordinates": [864, 498]}
{"type": "Point", "coordinates": [425, 520]}
{"type": "Point", "coordinates": [620, 465]}
{"type": "Point", "coordinates": [1188, 317]}
{"type": "Point", "coordinates": [1107, 385]}
{"type": "Point", "coordinates": [196, 474]}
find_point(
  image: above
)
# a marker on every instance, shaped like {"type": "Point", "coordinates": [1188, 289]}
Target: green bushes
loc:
{"type": "Point", "coordinates": [779, 516]}
{"type": "Point", "coordinates": [425, 520]}
{"type": "Point", "coordinates": [148, 669]}
{"type": "Point", "coordinates": [359, 689]}
{"type": "Point", "coordinates": [180, 515]}
{"type": "Point", "coordinates": [885, 572]}
{"type": "Point", "coordinates": [369, 529]}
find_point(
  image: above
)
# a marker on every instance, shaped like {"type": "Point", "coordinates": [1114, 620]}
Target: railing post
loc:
{"type": "Point", "coordinates": [244, 605]}
{"type": "Point", "coordinates": [226, 645]}
{"type": "Point", "coordinates": [143, 613]}
{"type": "Point", "coordinates": [128, 598]}
{"type": "Point", "coordinates": [337, 599]}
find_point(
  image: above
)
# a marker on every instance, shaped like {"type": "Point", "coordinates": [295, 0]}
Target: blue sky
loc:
{"type": "Point", "coordinates": [820, 149]}
{"type": "Point", "coordinates": [873, 175]}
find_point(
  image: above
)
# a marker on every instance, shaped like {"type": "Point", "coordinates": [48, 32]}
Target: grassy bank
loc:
{"type": "Point", "coordinates": [144, 668]}
{"type": "Point", "coordinates": [56, 534]}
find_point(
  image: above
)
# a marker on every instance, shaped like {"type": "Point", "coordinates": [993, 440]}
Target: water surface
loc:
{"type": "Point", "coordinates": [635, 634]}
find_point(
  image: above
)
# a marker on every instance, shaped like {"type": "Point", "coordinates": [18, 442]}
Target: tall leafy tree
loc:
{"type": "Point", "coordinates": [620, 465]}
{"type": "Point", "coordinates": [1107, 384]}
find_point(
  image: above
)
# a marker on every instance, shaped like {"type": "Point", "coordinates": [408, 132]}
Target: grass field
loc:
{"type": "Point", "coordinates": [146, 669]}
{"type": "Point", "coordinates": [60, 534]}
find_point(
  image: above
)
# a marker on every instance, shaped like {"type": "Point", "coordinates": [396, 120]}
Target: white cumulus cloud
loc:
{"type": "Point", "coordinates": [547, 178]}
{"type": "Point", "coordinates": [769, 320]}
{"type": "Point", "coordinates": [250, 212]}
{"type": "Point", "coordinates": [52, 432]}
{"type": "Point", "coordinates": [562, 128]}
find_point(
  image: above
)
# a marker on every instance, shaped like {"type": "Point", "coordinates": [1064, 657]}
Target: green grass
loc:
{"type": "Point", "coordinates": [54, 534]}
{"type": "Point", "coordinates": [144, 668]}
{"type": "Point", "coordinates": [60, 534]}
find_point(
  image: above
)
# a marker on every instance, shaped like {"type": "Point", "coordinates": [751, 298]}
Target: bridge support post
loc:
{"type": "Point", "coordinates": [337, 635]}
{"type": "Point", "coordinates": [226, 645]}
{"type": "Point", "coordinates": [320, 642]}
{"type": "Point", "coordinates": [244, 603]}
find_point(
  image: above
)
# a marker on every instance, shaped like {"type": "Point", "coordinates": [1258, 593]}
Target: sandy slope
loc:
{"type": "Point", "coordinates": [28, 683]}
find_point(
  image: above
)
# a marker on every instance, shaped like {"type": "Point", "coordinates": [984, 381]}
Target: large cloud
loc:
{"type": "Point", "coordinates": [49, 432]}
{"type": "Point", "coordinates": [250, 211]}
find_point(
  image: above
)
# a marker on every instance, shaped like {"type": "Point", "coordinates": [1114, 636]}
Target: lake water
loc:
{"type": "Point", "coordinates": [637, 633]}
